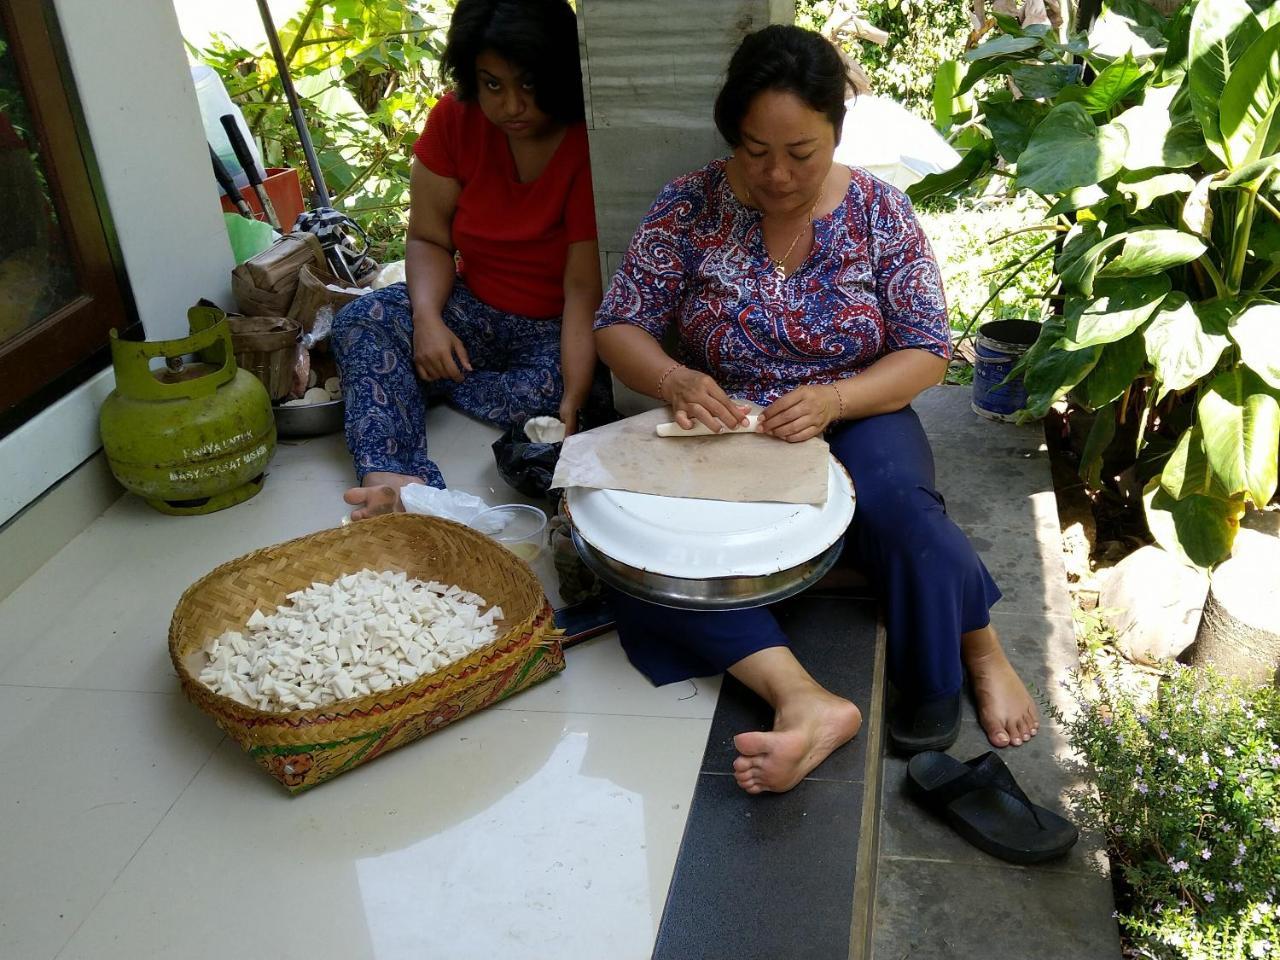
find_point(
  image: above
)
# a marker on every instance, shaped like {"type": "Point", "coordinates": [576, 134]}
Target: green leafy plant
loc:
{"type": "Point", "coordinates": [369, 73]}
{"type": "Point", "coordinates": [1188, 800]}
{"type": "Point", "coordinates": [976, 241]}
{"type": "Point", "coordinates": [1154, 142]}
{"type": "Point", "coordinates": [920, 33]}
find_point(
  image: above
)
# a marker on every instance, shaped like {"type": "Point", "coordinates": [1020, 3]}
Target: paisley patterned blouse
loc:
{"type": "Point", "coordinates": [869, 285]}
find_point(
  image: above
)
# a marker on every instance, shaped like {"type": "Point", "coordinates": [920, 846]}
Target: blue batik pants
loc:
{"type": "Point", "coordinates": [930, 582]}
{"type": "Point", "coordinates": [515, 375]}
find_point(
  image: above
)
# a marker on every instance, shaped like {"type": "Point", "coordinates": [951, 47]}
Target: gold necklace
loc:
{"type": "Point", "coordinates": [780, 263]}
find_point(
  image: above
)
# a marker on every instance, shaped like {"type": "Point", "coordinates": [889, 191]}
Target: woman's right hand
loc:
{"type": "Point", "coordinates": [696, 396]}
{"type": "Point", "coordinates": [437, 352]}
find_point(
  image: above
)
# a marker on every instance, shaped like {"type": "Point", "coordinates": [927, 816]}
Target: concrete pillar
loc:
{"type": "Point", "coordinates": [651, 70]}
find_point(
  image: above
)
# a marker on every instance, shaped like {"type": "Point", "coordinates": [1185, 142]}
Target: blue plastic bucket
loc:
{"type": "Point", "coordinates": [1001, 343]}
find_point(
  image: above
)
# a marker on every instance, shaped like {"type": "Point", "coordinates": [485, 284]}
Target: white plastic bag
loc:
{"type": "Point", "coordinates": [388, 274]}
{"type": "Point", "coordinates": [450, 504]}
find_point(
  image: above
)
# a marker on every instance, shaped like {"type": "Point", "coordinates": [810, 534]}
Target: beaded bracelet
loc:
{"type": "Point", "coordinates": [663, 379]}
{"type": "Point", "coordinates": [840, 400]}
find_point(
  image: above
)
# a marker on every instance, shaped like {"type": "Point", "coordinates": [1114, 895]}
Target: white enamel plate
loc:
{"type": "Point", "coordinates": [701, 539]}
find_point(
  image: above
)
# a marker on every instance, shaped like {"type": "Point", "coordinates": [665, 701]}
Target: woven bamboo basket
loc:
{"type": "Point", "coordinates": [302, 748]}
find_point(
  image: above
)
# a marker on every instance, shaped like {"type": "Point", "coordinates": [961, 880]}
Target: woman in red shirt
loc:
{"type": "Point", "coordinates": [502, 267]}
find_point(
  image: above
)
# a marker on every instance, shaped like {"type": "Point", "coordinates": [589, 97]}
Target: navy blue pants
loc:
{"type": "Point", "coordinates": [931, 585]}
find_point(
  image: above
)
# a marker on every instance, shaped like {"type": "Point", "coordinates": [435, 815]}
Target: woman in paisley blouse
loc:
{"type": "Point", "coordinates": [809, 288]}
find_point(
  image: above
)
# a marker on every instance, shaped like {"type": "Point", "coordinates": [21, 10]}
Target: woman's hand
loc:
{"type": "Point", "coordinates": [801, 414]}
{"type": "Point", "coordinates": [437, 351]}
{"type": "Point", "coordinates": [569, 415]}
{"type": "Point", "coordinates": [695, 396]}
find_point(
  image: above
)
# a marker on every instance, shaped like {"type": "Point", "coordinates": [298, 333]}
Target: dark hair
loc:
{"type": "Point", "coordinates": [787, 59]}
{"type": "Point", "coordinates": [540, 36]}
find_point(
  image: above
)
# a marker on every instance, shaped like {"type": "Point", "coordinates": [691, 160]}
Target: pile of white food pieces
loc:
{"type": "Point", "coordinates": [364, 633]}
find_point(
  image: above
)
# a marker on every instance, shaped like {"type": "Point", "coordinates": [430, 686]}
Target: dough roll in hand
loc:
{"type": "Point", "coordinates": [674, 429]}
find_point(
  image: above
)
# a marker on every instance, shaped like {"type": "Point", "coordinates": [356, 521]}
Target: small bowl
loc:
{"type": "Point", "coordinates": [522, 531]}
{"type": "Point", "coordinates": [309, 419]}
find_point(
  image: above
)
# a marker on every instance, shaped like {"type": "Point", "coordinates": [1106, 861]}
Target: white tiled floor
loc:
{"type": "Point", "coordinates": [130, 828]}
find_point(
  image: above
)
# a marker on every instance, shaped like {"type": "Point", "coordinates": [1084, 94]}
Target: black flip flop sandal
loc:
{"type": "Point", "coordinates": [985, 805]}
{"type": "Point", "coordinates": [932, 725]}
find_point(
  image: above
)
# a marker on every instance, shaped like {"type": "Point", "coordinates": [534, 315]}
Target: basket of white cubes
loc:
{"type": "Point", "coordinates": [319, 654]}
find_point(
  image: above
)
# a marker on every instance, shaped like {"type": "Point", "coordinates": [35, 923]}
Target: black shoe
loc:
{"type": "Point", "coordinates": [932, 725]}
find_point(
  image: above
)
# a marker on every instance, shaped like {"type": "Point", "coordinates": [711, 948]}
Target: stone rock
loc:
{"type": "Point", "coordinates": [1240, 631]}
{"type": "Point", "coordinates": [1153, 602]}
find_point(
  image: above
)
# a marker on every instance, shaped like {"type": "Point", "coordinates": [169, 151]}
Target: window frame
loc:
{"type": "Point", "coordinates": [66, 347]}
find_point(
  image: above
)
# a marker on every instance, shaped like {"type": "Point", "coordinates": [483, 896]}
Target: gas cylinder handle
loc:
{"type": "Point", "coordinates": [132, 361]}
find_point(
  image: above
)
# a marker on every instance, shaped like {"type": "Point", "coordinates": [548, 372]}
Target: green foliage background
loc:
{"type": "Point", "coordinates": [369, 73]}
{"type": "Point", "coordinates": [922, 34]}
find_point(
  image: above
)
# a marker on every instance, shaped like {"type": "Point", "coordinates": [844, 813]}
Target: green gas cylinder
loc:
{"type": "Point", "coordinates": [194, 436]}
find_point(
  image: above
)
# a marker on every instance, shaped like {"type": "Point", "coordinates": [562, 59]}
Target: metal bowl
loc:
{"type": "Point", "coordinates": [308, 420]}
{"type": "Point", "coordinates": [714, 593]}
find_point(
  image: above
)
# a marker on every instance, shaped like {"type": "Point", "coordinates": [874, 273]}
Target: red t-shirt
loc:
{"type": "Point", "coordinates": [513, 237]}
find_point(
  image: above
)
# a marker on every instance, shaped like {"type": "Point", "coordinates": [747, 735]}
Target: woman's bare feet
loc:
{"type": "Point", "coordinates": [380, 494]}
{"type": "Point", "coordinates": [809, 723]}
{"type": "Point", "coordinates": [806, 730]}
{"type": "Point", "coordinates": [1005, 708]}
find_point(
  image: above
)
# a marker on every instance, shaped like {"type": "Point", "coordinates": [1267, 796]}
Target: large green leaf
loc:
{"type": "Point", "coordinates": [1043, 81]}
{"type": "Point", "coordinates": [1080, 239]}
{"type": "Point", "coordinates": [1179, 347]}
{"type": "Point", "coordinates": [1080, 272]}
{"type": "Point", "coordinates": [971, 166]}
{"type": "Point", "coordinates": [1199, 530]}
{"type": "Point", "coordinates": [981, 69]}
{"type": "Point", "coordinates": [1257, 332]}
{"type": "Point", "coordinates": [1264, 240]}
{"type": "Point", "coordinates": [1241, 424]}
{"type": "Point", "coordinates": [1250, 100]}
{"type": "Point", "coordinates": [1197, 212]}
{"type": "Point", "coordinates": [1075, 199]}
{"type": "Point", "coordinates": [1053, 372]}
{"type": "Point", "coordinates": [1011, 124]}
{"type": "Point", "coordinates": [1146, 192]}
{"type": "Point", "coordinates": [1116, 82]}
{"type": "Point", "coordinates": [1187, 471]}
{"type": "Point", "coordinates": [1118, 366]}
{"type": "Point", "coordinates": [1140, 12]}
{"type": "Point", "coordinates": [1154, 137]}
{"type": "Point", "coordinates": [1116, 33]}
{"type": "Point", "coordinates": [1119, 307]}
{"type": "Point", "coordinates": [1248, 175]}
{"type": "Point", "coordinates": [1153, 250]}
{"type": "Point", "coordinates": [1100, 436]}
{"type": "Point", "coordinates": [1068, 150]}
{"type": "Point", "coordinates": [946, 100]}
{"type": "Point", "coordinates": [1002, 46]}
{"type": "Point", "coordinates": [1221, 31]}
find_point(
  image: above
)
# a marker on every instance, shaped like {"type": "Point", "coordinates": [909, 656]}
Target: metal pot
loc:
{"type": "Point", "coordinates": [658, 548]}
{"type": "Point", "coordinates": [308, 419]}
{"type": "Point", "coordinates": [714, 593]}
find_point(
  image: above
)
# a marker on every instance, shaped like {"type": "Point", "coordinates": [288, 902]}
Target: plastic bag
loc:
{"type": "Point", "coordinates": [525, 465]}
{"type": "Point", "coordinates": [451, 505]}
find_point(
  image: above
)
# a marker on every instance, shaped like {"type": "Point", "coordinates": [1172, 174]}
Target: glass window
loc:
{"type": "Point", "coordinates": [37, 276]}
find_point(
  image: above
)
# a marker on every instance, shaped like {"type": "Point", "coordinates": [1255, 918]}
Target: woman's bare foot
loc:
{"type": "Point", "coordinates": [380, 494]}
{"type": "Point", "coordinates": [806, 729]}
{"type": "Point", "coordinates": [1005, 708]}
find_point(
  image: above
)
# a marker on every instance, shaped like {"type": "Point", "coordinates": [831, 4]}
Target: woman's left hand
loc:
{"type": "Point", "coordinates": [569, 416]}
{"type": "Point", "coordinates": [801, 414]}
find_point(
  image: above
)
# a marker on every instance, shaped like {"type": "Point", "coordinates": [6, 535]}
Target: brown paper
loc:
{"type": "Point", "coordinates": [315, 290]}
{"type": "Point", "coordinates": [264, 285]}
{"type": "Point", "coordinates": [740, 467]}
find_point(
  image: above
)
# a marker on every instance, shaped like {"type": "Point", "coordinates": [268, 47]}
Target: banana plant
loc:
{"type": "Point", "coordinates": [1155, 141]}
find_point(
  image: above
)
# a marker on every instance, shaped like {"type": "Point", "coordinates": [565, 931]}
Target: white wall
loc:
{"type": "Point", "coordinates": [134, 85]}
{"type": "Point", "coordinates": [237, 19]}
